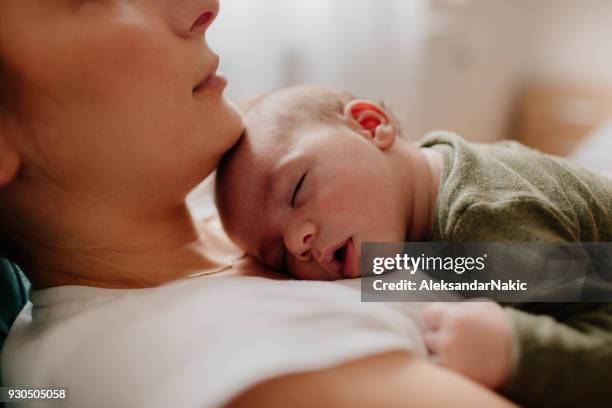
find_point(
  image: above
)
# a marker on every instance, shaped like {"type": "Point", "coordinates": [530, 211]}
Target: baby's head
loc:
{"type": "Point", "coordinates": [311, 179]}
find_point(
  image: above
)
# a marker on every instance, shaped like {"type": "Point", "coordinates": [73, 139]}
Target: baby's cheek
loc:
{"type": "Point", "coordinates": [353, 193]}
{"type": "Point", "coordinates": [343, 206]}
{"type": "Point", "coordinates": [361, 206]}
{"type": "Point", "coordinates": [336, 201]}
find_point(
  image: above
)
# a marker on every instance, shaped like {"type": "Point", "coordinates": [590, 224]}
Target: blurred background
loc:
{"type": "Point", "coordinates": [539, 71]}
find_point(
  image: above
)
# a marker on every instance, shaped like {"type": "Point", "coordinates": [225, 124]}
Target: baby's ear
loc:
{"type": "Point", "coordinates": [371, 120]}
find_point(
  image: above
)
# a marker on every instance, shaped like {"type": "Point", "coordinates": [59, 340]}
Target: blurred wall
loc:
{"type": "Point", "coordinates": [451, 64]}
{"type": "Point", "coordinates": [373, 48]}
{"type": "Point", "coordinates": [475, 64]}
{"type": "Point", "coordinates": [572, 41]}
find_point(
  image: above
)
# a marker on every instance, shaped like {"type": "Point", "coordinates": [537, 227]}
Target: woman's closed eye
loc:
{"type": "Point", "coordinates": [296, 191]}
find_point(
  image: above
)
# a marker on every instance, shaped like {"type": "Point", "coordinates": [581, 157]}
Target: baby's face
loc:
{"type": "Point", "coordinates": [305, 200]}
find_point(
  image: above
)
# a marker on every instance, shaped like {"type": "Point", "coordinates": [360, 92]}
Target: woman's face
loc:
{"type": "Point", "coordinates": [116, 97]}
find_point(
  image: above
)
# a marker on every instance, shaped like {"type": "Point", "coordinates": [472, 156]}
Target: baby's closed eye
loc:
{"type": "Point", "coordinates": [296, 191]}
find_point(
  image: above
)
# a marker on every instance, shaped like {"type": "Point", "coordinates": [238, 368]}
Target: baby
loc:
{"type": "Point", "coordinates": [319, 172]}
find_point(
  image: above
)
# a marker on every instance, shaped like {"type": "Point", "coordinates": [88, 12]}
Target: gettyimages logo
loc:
{"type": "Point", "coordinates": [501, 271]}
{"type": "Point", "coordinates": [411, 264]}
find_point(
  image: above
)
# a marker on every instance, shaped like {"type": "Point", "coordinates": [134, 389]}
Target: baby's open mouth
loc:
{"type": "Point", "coordinates": [340, 254]}
{"type": "Point", "coordinates": [339, 260]}
{"type": "Point", "coordinates": [345, 256]}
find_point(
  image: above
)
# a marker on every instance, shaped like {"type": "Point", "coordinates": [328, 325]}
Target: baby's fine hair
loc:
{"type": "Point", "coordinates": [305, 104]}
{"type": "Point", "coordinates": [301, 103]}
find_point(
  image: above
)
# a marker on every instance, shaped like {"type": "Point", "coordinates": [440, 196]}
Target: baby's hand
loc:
{"type": "Point", "coordinates": [472, 338]}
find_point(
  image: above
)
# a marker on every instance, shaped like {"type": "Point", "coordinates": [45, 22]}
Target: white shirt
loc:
{"type": "Point", "coordinates": [197, 342]}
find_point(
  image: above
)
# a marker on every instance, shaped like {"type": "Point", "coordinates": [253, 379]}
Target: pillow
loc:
{"type": "Point", "coordinates": [14, 290]}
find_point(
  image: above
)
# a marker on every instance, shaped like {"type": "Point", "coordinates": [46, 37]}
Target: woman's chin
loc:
{"type": "Point", "coordinates": [233, 126]}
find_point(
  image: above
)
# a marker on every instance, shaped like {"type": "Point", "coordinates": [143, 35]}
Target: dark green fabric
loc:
{"type": "Point", "coordinates": [14, 289]}
{"type": "Point", "coordinates": [508, 192]}
{"type": "Point", "coordinates": [562, 353]}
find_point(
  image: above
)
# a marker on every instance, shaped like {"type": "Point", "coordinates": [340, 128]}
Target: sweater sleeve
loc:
{"type": "Point", "coordinates": [562, 352]}
{"type": "Point", "coordinates": [561, 362]}
{"type": "Point", "coordinates": [520, 219]}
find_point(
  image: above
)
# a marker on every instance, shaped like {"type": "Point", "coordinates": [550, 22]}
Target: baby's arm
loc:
{"type": "Point", "coordinates": [563, 362]}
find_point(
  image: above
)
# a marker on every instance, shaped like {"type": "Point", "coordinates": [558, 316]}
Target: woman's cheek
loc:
{"type": "Point", "coordinates": [127, 55]}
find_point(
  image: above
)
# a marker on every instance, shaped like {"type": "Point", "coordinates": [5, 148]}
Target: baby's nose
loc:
{"type": "Point", "coordinates": [299, 240]}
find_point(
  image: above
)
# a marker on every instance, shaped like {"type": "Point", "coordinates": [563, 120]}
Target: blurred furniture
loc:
{"type": "Point", "coordinates": [555, 119]}
{"type": "Point", "coordinates": [595, 153]}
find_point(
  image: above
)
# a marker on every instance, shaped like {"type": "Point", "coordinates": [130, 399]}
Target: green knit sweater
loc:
{"type": "Point", "coordinates": [562, 352]}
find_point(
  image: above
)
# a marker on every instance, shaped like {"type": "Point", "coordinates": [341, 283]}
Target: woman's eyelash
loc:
{"type": "Point", "coordinates": [297, 189]}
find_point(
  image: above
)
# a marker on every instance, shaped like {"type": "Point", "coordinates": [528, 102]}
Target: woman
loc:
{"type": "Point", "coordinates": [111, 112]}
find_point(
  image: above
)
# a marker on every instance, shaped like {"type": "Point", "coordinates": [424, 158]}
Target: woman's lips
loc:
{"type": "Point", "coordinates": [213, 81]}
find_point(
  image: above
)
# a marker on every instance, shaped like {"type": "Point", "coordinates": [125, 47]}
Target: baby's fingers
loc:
{"type": "Point", "coordinates": [433, 314]}
{"type": "Point", "coordinates": [432, 341]}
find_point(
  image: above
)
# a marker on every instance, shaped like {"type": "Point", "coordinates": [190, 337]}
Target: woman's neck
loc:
{"type": "Point", "coordinates": [131, 252]}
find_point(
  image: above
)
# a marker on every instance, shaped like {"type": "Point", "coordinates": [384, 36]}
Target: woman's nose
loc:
{"type": "Point", "coordinates": [191, 18]}
{"type": "Point", "coordinates": [299, 240]}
